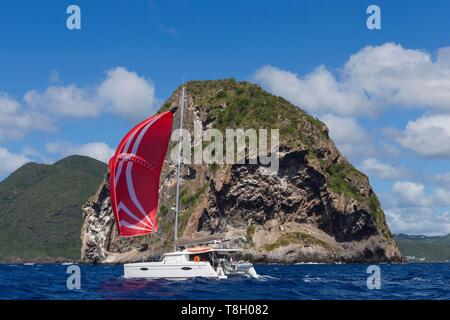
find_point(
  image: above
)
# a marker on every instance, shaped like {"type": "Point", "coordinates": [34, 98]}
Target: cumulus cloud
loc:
{"type": "Point", "coordinates": [390, 74]}
{"type": "Point", "coordinates": [441, 197]}
{"type": "Point", "coordinates": [410, 209]}
{"type": "Point", "coordinates": [66, 101]}
{"type": "Point", "coordinates": [97, 150]}
{"type": "Point", "coordinates": [318, 92]}
{"type": "Point", "coordinates": [428, 136]}
{"type": "Point", "coordinates": [345, 130]}
{"type": "Point", "coordinates": [382, 170]}
{"type": "Point", "coordinates": [16, 121]}
{"type": "Point", "coordinates": [371, 79]}
{"type": "Point", "coordinates": [122, 92]}
{"type": "Point", "coordinates": [407, 194]}
{"type": "Point", "coordinates": [410, 194]}
{"type": "Point", "coordinates": [127, 93]}
{"type": "Point", "coordinates": [420, 220]}
{"type": "Point", "coordinates": [10, 161]}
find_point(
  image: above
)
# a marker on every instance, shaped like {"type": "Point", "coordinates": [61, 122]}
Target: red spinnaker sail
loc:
{"type": "Point", "coordinates": [134, 175]}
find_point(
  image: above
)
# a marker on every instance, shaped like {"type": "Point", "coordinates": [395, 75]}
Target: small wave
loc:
{"type": "Point", "coordinates": [313, 280]}
{"type": "Point", "coordinates": [265, 277]}
{"type": "Point", "coordinates": [420, 279]}
{"type": "Point", "coordinates": [308, 278]}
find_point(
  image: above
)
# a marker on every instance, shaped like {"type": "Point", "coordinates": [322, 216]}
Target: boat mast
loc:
{"type": "Point", "coordinates": [177, 203]}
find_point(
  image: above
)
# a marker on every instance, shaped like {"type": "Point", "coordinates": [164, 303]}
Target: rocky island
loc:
{"type": "Point", "coordinates": [317, 207]}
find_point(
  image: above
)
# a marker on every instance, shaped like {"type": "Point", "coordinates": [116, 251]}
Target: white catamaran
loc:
{"type": "Point", "coordinates": [135, 209]}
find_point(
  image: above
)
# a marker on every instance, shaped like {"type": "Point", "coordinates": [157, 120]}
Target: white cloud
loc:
{"type": "Point", "coordinates": [127, 93]}
{"type": "Point", "coordinates": [122, 92]}
{"type": "Point", "coordinates": [441, 197]}
{"type": "Point", "coordinates": [371, 79]}
{"type": "Point", "coordinates": [390, 74]}
{"type": "Point", "coordinates": [409, 209]}
{"type": "Point", "coordinates": [317, 92]}
{"type": "Point", "coordinates": [422, 220]}
{"type": "Point", "coordinates": [97, 150]}
{"type": "Point", "coordinates": [16, 121]}
{"type": "Point", "coordinates": [428, 136]}
{"type": "Point", "coordinates": [410, 194]}
{"type": "Point", "coordinates": [66, 101]}
{"type": "Point", "coordinates": [10, 161]}
{"type": "Point", "coordinates": [345, 130]}
{"type": "Point", "coordinates": [382, 170]}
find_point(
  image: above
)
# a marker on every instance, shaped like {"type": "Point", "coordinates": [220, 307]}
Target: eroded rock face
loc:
{"type": "Point", "coordinates": [98, 225]}
{"type": "Point", "coordinates": [259, 209]}
{"type": "Point", "coordinates": [317, 207]}
{"type": "Point", "coordinates": [99, 235]}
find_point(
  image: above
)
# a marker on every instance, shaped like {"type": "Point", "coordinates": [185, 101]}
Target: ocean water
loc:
{"type": "Point", "coordinates": [302, 281]}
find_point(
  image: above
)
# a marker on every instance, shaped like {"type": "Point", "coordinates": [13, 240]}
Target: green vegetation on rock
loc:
{"type": "Point", "coordinates": [340, 182]}
{"type": "Point", "coordinates": [378, 215]}
{"type": "Point", "coordinates": [250, 231]}
{"type": "Point", "coordinates": [296, 238]}
{"type": "Point", "coordinates": [234, 104]}
{"type": "Point", "coordinates": [188, 199]}
{"type": "Point", "coordinates": [188, 202]}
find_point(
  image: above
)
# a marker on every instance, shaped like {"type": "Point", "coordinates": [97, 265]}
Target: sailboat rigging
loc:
{"type": "Point", "coordinates": [177, 201]}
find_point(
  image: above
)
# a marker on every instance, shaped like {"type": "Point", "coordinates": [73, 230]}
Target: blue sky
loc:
{"type": "Point", "coordinates": [387, 91]}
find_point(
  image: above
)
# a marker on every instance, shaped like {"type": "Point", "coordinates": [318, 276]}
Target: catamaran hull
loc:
{"type": "Point", "coordinates": [172, 271]}
{"type": "Point", "coordinates": [241, 269]}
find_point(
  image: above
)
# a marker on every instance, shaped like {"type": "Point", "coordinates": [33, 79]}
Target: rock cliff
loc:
{"type": "Point", "coordinates": [316, 207]}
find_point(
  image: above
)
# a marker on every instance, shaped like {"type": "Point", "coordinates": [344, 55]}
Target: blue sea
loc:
{"type": "Point", "coordinates": [302, 281]}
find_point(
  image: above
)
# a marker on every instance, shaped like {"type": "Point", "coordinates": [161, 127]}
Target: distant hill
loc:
{"type": "Point", "coordinates": [40, 208]}
{"type": "Point", "coordinates": [424, 248]}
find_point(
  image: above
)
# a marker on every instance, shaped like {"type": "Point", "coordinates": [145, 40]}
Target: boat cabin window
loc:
{"type": "Point", "coordinates": [207, 256]}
